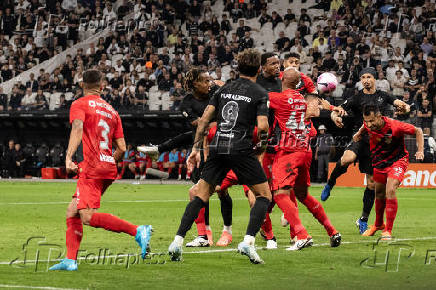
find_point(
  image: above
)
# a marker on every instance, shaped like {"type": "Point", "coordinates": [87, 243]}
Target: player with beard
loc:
{"type": "Point", "coordinates": [238, 106]}
{"type": "Point", "coordinates": [390, 160]}
{"type": "Point", "coordinates": [360, 151]}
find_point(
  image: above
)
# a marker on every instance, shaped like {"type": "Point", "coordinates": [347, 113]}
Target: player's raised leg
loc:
{"type": "Point", "coordinates": [341, 168]}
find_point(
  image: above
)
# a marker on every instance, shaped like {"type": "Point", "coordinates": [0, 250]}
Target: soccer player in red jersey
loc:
{"type": "Point", "coordinates": [305, 85]}
{"type": "Point", "coordinates": [390, 160]}
{"type": "Point", "coordinates": [97, 125]}
{"type": "Point", "coordinates": [292, 163]}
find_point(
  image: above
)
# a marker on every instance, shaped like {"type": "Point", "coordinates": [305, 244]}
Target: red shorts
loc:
{"type": "Point", "coordinates": [139, 163]}
{"type": "Point", "coordinates": [89, 192]}
{"type": "Point", "coordinates": [395, 171]}
{"type": "Point", "coordinates": [268, 160]}
{"type": "Point", "coordinates": [229, 180]}
{"type": "Point", "coordinates": [291, 169]}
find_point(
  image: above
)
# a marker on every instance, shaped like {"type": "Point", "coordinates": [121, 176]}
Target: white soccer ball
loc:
{"type": "Point", "coordinates": [326, 83]}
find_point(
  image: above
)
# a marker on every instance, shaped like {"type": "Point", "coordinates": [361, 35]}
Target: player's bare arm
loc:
{"type": "Point", "coordinates": [358, 136]}
{"type": "Point", "coordinates": [73, 144]}
{"type": "Point", "coordinates": [419, 143]}
{"type": "Point", "coordinates": [402, 107]}
{"type": "Point", "coordinates": [208, 115]}
{"type": "Point", "coordinates": [120, 148]}
{"type": "Point", "coordinates": [337, 119]}
{"type": "Point", "coordinates": [262, 131]}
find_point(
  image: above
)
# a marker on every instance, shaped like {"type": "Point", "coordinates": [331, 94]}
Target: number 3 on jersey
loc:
{"type": "Point", "coordinates": [104, 133]}
{"type": "Point", "coordinates": [230, 114]}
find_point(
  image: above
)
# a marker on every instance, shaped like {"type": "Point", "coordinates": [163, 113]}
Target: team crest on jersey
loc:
{"type": "Point", "coordinates": [380, 100]}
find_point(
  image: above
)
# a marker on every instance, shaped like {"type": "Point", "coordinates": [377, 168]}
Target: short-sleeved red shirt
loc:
{"type": "Point", "coordinates": [290, 110]}
{"type": "Point", "coordinates": [387, 144]}
{"type": "Point", "coordinates": [101, 125]}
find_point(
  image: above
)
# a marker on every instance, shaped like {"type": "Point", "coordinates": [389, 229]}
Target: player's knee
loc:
{"type": "Point", "coordinates": [86, 218]}
{"type": "Point", "coordinates": [390, 192]}
{"type": "Point", "coordinates": [380, 194]}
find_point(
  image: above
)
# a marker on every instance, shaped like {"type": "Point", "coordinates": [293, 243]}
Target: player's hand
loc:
{"type": "Point", "coordinates": [338, 122]}
{"type": "Point", "coordinates": [357, 137]}
{"type": "Point", "coordinates": [324, 104]}
{"type": "Point", "coordinates": [194, 160]}
{"type": "Point", "coordinates": [419, 155]}
{"type": "Point", "coordinates": [316, 157]}
{"type": "Point", "coordinates": [341, 112]}
{"type": "Point", "coordinates": [71, 166]}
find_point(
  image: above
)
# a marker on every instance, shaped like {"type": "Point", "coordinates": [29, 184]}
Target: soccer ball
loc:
{"type": "Point", "coordinates": [326, 83]}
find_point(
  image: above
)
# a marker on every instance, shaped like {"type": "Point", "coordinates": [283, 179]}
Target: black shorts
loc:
{"type": "Point", "coordinates": [246, 167]}
{"type": "Point", "coordinates": [361, 149]}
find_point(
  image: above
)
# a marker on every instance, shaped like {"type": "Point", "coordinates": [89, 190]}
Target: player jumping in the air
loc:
{"type": "Point", "coordinates": [98, 126]}
{"type": "Point", "coordinates": [390, 160]}
{"type": "Point", "coordinates": [292, 163]}
{"type": "Point", "coordinates": [237, 107]}
{"type": "Point", "coordinates": [359, 151]}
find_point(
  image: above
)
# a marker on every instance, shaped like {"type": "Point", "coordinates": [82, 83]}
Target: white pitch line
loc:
{"type": "Point", "coordinates": [34, 287]}
{"type": "Point", "coordinates": [109, 201]}
{"type": "Point", "coordinates": [232, 250]}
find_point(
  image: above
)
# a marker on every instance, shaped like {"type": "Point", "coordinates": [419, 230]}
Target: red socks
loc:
{"type": "Point", "coordinates": [391, 212]}
{"type": "Point", "coordinates": [112, 223]}
{"type": "Point", "coordinates": [267, 227]}
{"type": "Point", "coordinates": [318, 212]}
{"type": "Point", "coordinates": [380, 205]}
{"type": "Point", "coordinates": [284, 202]}
{"type": "Point", "coordinates": [200, 222]}
{"type": "Point", "coordinates": [73, 236]}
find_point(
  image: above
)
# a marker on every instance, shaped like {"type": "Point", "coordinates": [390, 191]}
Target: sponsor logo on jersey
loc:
{"type": "Point", "coordinates": [106, 158]}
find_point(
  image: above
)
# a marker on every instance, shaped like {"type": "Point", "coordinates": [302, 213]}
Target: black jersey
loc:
{"type": "Point", "coordinates": [273, 84]}
{"type": "Point", "coordinates": [355, 104]}
{"type": "Point", "coordinates": [237, 105]}
{"type": "Point", "coordinates": [193, 108]}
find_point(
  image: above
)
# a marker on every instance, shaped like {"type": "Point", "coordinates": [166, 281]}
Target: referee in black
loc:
{"type": "Point", "coordinates": [237, 106]}
{"type": "Point", "coordinates": [359, 151]}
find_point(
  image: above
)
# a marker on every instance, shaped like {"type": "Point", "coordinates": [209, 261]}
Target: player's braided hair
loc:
{"type": "Point", "coordinates": [192, 76]}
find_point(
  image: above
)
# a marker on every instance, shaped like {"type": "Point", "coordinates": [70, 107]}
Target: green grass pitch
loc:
{"type": "Point", "coordinates": [37, 210]}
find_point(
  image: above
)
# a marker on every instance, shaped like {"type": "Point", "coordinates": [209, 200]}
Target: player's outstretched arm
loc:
{"type": "Point", "coordinates": [419, 143]}
{"type": "Point", "coordinates": [73, 144]}
{"type": "Point", "coordinates": [402, 107]}
{"type": "Point", "coordinates": [120, 148]}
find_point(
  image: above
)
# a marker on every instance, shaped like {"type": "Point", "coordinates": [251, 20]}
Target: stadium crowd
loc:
{"type": "Point", "coordinates": [145, 60]}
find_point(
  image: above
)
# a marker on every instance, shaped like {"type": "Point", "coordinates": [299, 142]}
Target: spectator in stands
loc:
{"type": "Point", "coordinates": [9, 158]}
{"type": "Point", "coordinates": [246, 41]}
{"type": "Point", "coordinates": [425, 116]}
{"type": "Point", "coordinates": [3, 100]}
{"type": "Point", "coordinates": [15, 99]}
{"type": "Point", "coordinates": [382, 84]}
{"type": "Point", "coordinates": [141, 98]}
{"type": "Point", "coordinates": [398, 83]}
{"type": "Point", "coordinates": [28, 101]}
{"type": "Point", "coordinates": [41, 102]}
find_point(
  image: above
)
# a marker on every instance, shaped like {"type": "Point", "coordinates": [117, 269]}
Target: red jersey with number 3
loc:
{"type": "Point", "coordinates": [387, 144]}
{"type": "Point", "coordinates": [101, 125]}
{"type": "Point", "coordinates": [290, 110]}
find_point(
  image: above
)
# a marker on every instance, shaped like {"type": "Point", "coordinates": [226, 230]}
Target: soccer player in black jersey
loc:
{"type": "Point", "coordinates": [359, 151]}
{"type": "Point", "coordinates": [237, 107]}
